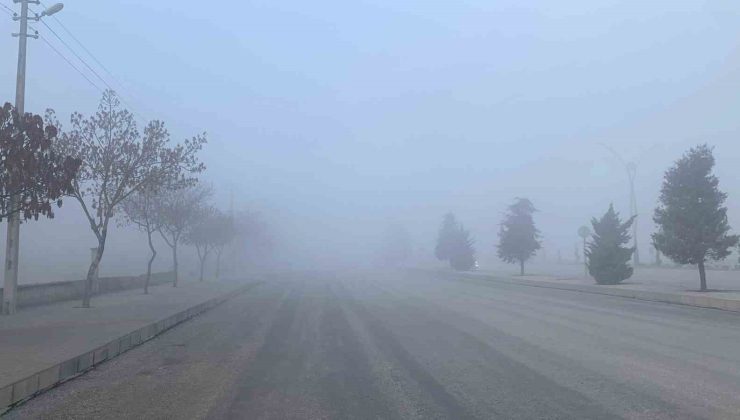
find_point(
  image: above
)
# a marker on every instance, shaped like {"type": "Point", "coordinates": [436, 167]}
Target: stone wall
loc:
{"type": "Point", "coordinates": [44, 293]}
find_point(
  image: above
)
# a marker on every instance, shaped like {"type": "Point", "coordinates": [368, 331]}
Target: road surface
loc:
{"type": "Point", "coordinates": [414, 345]}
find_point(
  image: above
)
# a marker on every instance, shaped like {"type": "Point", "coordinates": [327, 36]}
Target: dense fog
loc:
{"type": "Point", "coordinates": [335, 119]}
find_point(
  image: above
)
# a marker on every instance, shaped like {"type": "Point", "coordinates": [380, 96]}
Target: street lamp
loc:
{"type": "Point", "coordinates": [51, 10]}
{"type": "Point", "coordinates": [10, 283]}
{"type": "Point", "coordinates": [631, 169]}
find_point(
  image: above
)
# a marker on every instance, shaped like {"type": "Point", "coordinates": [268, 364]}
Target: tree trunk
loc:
{"type": "Point", "coordinates": [202, 266]}
{"type": "Point", "coordinates": [521, 267]}
{"type": "Point", "coordinates": [91, 274]}
{"type": "Point", "coordinates": [702, 277]}
{"type": "Point", "coordinates": [218, 264]}
{"type": "Point", "coordinates": [585, 259]}
{"type": "Point", "coordinates": [149, 266]}
{"type": "Point", "coordinates": [174, 260]}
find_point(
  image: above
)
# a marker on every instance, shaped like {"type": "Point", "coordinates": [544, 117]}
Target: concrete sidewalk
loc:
{"type": "Point", "coordinates": [662, 279]}
{"type": "Point", "coordinates": [644, 287]}
{"type": "Point", "coordinates": [39, 338]}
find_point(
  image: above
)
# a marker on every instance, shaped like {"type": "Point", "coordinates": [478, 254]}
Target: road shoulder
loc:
{"type": "Point", "coordinates": [48, 345]}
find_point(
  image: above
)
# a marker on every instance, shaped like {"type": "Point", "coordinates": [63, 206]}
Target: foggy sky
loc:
{"type": "Point", "coordinates": [337, 118]}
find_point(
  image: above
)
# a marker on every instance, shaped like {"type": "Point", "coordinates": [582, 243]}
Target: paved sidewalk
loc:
{"type": "Point", "coordinates": [663, 285]}
{"type": "Point", "coordinates": [726, 282]}
{"type": "Point", "coordinates": [38, 337]}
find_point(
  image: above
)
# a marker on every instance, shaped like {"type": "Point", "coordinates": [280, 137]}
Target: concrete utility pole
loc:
{"type": "Point", "coordinates": [631, 168]}
{"type": "Point", "coordinates": [10, 284]}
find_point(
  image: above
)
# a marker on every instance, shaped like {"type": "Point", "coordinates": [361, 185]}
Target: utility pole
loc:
{"type": "Point", "coordinates": [631, 168]}
{"type": "Point", "coordinates": [10, 284]}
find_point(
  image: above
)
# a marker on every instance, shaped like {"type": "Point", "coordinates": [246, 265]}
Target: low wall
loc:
{"type": "Point", "coordinates": [25, 389]}
{"type": "Point", "coordinates": [44, 293]}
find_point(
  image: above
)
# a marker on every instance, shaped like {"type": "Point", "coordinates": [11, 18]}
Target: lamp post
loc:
{"type": "Point", "coordinates": [631, 169]}
{"type": "Point", "coordinates": [14, 222]}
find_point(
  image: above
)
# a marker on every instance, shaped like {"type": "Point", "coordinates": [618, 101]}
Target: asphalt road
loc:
{"type": "Point", "coordinates": [418, 346]}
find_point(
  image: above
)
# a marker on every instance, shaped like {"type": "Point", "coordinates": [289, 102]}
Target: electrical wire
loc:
{"type": "Point", "coordinates": [76, 55]}
{"type": "Point", "coordinates": [123, 100]}
{"type": "Point", "coordinates": [59, 22]}
{"type": "Point", "coordinates": [46, 41]}
{"type": "Point", "coordinates": [8, 10]}
{"type": "Point", "coordinates": [122, 97]}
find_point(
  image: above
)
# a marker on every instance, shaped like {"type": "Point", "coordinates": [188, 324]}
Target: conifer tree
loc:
{"type": "Point", "coordinates": [691, 218]}
{"type": "Point", "coordinates": [606, 255]}
{"type": "Point", "coordinates": [462, 257]}
{"type": "Point", "coordinates": [518, 237]}
{"type": "Point", "coordinates": [446, 237]}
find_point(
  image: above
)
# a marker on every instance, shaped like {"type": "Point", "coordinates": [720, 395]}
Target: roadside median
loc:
{"type": "Point", "coordinates": [713, 300]}
{"type": "Point", "coordinates": [43, 346]}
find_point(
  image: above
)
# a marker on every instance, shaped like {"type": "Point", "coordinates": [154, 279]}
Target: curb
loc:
{"type": "Point", "coordinates": [25, 389]}
{"type": "Point", "coordinates": [673, 298]}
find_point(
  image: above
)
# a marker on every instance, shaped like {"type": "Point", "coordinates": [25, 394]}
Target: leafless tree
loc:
{"type": "Point", "coordinates": [140, 210]}
{"type": "Point", "coordinates": [176, 211]}
{"type": "Point", "coordinates": [118, 161]}
{"type": "Point", "coordinates": [203, 235]}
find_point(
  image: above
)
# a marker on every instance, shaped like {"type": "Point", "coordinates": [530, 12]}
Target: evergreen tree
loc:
{"type": "Point", "coordinates": [462, 257]}
{"type": "Point", "coordinates": [692, 221]}
{"type": "Point", "coordinates": [605, 254]}
{"type": "Point", "coordinates": [518, 237]}
{"type": "Point", "coordinates": [446, 237]}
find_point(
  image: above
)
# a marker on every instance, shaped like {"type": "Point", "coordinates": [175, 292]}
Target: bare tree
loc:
{"type": "Point", "coordinates": [176, 211]}
{"type": "Point", "coordinates": [118, 161]}
{"type": "Point", "coordinates": [203, 235]}
{"type": "Point", "coordinates": [140, 210]}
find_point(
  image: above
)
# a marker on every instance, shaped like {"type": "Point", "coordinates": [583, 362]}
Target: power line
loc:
{"type": "Point", "coordinates": [77, 55]}
{"type": "Point", "coordinates": [82, 60]}
{"type": "Point", "coordinates": [46, 41]}
{"type": "Point", "coordinates": [121, 97]}
{"type": "Point", "coordinates": [128, 105]}
{"type": "Point", "coordinates": [10, 12]}
{"type": "Point", "coordinates": [85, 49]}
{"type": "Point", "coordinates": [7, 10]}
{"type": "Point", "coordinates": [59, 22]}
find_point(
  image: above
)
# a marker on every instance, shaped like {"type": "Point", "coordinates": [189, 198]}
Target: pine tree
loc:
{"type": "Point", "coordinates": [446, 237]}
{"type": "Point", "coordinates": [605, 254]}
{"type": "Point", "coordinates": [462, 257]}
{"type": "Point", "coordinates": [518, 237]}
{"type": "Point", "coordinates": [692, 221]}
